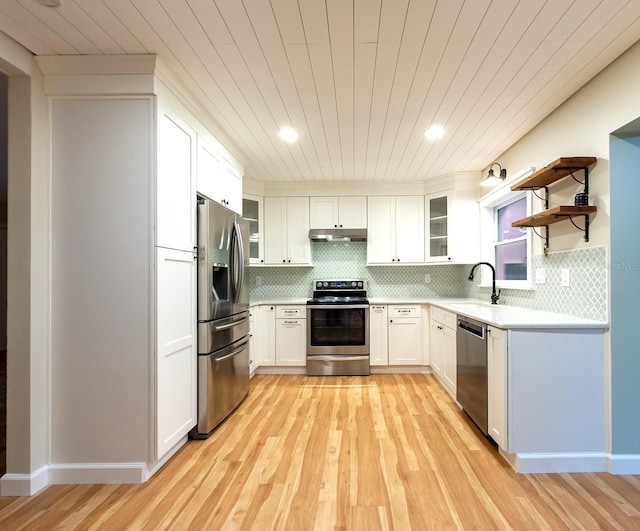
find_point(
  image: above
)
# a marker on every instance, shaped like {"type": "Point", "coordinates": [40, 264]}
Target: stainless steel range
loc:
{"type": "Point", "coordinates": [338, 328]}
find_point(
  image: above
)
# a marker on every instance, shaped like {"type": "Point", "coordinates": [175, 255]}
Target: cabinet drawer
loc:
{"type": "Point", "coordinates": [447, 318]}
{"type": "Point", "coordinates": [404, 311]}
{"type": "Point", "coordinates": [450, 319]}
{"type": "Point", "coordinates": [283, 312]}
{"type": "Point", "coordinates": [437, 314]}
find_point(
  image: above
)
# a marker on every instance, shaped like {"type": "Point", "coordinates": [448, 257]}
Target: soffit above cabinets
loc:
{"type": "Point", "coordinates": [360, 80]}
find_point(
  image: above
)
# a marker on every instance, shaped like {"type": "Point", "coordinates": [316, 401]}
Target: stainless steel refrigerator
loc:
{"type": "Point", "coordinates": [223, 314]}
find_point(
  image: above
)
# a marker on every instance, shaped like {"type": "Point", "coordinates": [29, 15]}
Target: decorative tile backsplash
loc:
{"type": "Point", "coordinates": [348, 260]}
{"type": "Point", "coordinates": [587, 295]}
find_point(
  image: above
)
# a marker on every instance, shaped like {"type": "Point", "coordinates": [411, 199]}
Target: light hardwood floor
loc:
{"type": "Point", "coordinates": [379, 452]}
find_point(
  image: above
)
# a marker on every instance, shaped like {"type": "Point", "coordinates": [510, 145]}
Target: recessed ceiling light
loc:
{"type": "Point", "coordinates": [288, 135]}
{"type": "Point", "coordinates": [434, 132]}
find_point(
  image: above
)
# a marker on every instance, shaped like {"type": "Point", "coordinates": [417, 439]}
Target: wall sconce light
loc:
{"type": "Point", "coordinates": [491, 179]}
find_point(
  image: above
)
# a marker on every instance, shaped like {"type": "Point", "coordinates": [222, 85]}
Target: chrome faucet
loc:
{"type": "Point", "coordinates": [494, 296]}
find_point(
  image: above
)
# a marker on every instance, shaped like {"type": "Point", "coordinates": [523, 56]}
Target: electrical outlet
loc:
{"type": "Point", "coordinates": [565, 278]}
{"type": "Point", "coordinates": [541, 275]}
{"type": "Point", "coordinates": [427, 278]}
{"type": "Point", "coordinates": [258, 281]}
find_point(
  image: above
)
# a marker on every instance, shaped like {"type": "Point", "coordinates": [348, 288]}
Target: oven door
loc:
{"type": "Point", "coordinates": [339, 329]}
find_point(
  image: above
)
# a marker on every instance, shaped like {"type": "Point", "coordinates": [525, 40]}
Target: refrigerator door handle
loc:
{"type": "Point", "coordinates": [237, 262]}
{"type": "Point", "coordinates": [241, 261]}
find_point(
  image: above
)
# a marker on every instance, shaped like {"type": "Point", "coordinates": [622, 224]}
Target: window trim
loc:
{"type": "Point", "coordinates": [512, 284]}
{"type": "Point", "coordinates": [489, 204]}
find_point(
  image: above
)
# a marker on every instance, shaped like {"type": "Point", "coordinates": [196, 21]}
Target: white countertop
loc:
{"type": "Point", "coordinates": [500, 315]}
{"type": "Point", "coordinates": [282, 302]}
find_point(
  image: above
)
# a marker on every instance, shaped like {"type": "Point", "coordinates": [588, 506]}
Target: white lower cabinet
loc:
{"type": "Point", "coordinates": [443, 347]}
{"type": "Point", "coordinates": [253, 323]}
{"type": "Point", "coordinates": [449, 364]}
{"type": "Point", "coordinates": [378, 335]}
{"type": "Point", "coordinates": [265, 340]}
{"type": "Point", "coordinates": [291, 335]}
{"type": "Point", "coordinates": [497, 385]}
{"type": "Point", "coordinates": [436, 340]}
{"type": "Point", "coordinates": [405, 335]}
{"type": "Point", "coordinates": [176, 347]}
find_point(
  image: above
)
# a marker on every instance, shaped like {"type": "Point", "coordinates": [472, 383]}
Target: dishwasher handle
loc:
{"type": "Point", "coordinates": [472, 327]}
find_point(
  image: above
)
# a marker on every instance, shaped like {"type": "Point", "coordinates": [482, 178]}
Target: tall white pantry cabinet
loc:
{"type": "Point", "coordinates": [123, 354]}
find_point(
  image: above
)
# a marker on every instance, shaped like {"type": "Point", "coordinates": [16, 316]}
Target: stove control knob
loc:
{"type": "Point", "coordinates": [360, 284]}
{"type": "Point", "coordinates": [325, 284]}
{"type": "Point", "coordinates": [318, 285]}
{"type": "Point", "coordinates": [353, 284]}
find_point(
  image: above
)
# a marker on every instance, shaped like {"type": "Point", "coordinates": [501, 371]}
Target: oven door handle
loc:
{"type": "Point", "coordinates": [335, 357]}
{"type": "Point", "coordinates": [338, 307]}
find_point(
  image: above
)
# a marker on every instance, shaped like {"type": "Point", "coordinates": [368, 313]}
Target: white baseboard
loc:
{"type": "Point", "coordinates": [281, 370]}
{"type": "Point", "coordinates": [375, 369]}
{"type": "Point", "coordinates": [624, 464]}
{"type": "Point", "coordinates": [82, 474]}
{"type": "Point", "coordinates": [24, 484]}
{"type": "Point", "coordinates": [97, 473]}
{"type": "Point", "coordinates": [559, 463]}
{"type": "Point", "coordinates": [400, 369]}
{"type": "Point", "coordinates": [103, 473]}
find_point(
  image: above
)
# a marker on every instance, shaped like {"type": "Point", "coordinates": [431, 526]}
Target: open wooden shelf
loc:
{"type": "Point", "coordinates": [554, 215]}
{"type": "Point", "coordinates": [553, 172]}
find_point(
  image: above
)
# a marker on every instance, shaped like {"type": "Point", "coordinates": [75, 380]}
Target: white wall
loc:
{"type": "Point", "coordinates": [28, 269]}
{"type": "Point", "coordinates": [581, 127]}
{"type": "Point", "coordinates": [101, 347]}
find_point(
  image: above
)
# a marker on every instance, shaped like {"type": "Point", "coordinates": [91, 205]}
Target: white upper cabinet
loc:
{"type": "Point", "coordinates": [232, 178]}
{"type": "Point", "coordinates": [452, 221]}
{"type": "Point", "coordinates": [253, 212]}
{"type": "Point", "coordinates": [286, 230]}
{"type": "Point", "coordinates": [175, 189]}
{"type": "Point", "coordinates": [438, 209]}
{"type": "Point", "coordinates": [349, 212]}
{"type": "Point", "coordinates": [395, 233]}
{"type": "Point", "coordinates": [381, 230]}
{"type": "Point", "coordinates": [218, 178]}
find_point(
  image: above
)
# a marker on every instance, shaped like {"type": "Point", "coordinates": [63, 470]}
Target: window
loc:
{"type": "Point", "coordinates": [507, 248]}
{"type": "Point", "coordinates": [510, 247]}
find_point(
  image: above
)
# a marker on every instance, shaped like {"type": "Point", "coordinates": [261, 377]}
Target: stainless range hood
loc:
{"type": "Point", "coordinates": [338, 235]}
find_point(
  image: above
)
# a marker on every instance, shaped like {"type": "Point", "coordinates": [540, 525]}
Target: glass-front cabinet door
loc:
{"type": "Point", "coordinates": [438, 212]}
{"type": "Point", "coordinates": [252, 211]}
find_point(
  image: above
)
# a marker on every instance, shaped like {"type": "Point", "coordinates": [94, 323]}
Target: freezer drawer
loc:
{"type": "Point", "coordinates": [214, 335]}
{"type": "Point", "coordinates": [223, 382]}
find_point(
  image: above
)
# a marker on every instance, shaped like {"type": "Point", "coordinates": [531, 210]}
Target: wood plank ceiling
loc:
{"type": "Point", "coordinates": [360, 80]}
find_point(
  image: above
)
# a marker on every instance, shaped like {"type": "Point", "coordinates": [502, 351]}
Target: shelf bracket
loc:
{"type": "Point", "coordinates": [585, 230]}
{"type": "Point", "coordinates": [544, 199]}
{"type": "Point", "coordinates": [584, 183]}
{"type": "Point", "coordinates": [586, 227]}
{"type": "Point", "coordinates": [545, 248]}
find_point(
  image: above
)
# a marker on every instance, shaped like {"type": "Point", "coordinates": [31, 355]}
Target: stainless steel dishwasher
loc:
{"type": "Point", "coordinates": [471, 388]}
